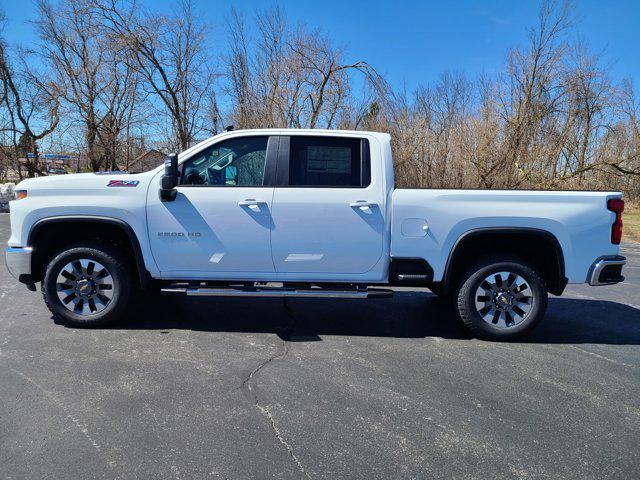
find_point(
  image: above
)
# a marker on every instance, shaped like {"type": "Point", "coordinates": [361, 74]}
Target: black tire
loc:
{"type": "Point", "coordinates": [123, 287]}
{"type": "Point", "coordinates": [469, 285]}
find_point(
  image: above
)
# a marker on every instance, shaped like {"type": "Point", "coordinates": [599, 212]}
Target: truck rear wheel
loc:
{"type": "Point", "coordinates": [88, 285]}
{"type": "Point", "coordinates": [501, 298]}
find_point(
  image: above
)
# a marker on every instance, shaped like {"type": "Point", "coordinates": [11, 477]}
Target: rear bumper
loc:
{"type": "Point", "coordinates": [18, 260]}
{"type": "Point", "coordinates": [607, 270]}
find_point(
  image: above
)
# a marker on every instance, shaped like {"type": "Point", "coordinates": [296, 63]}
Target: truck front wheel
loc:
{"type": "Point", "coordinates": [501, 298]}
{"type": "Point", "coordinates": [88, 285]}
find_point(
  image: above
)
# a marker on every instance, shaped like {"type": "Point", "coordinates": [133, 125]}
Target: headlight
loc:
{"type": "Point", "coordinates": [20, 194]}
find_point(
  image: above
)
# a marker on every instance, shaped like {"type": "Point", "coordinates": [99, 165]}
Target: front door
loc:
{"type": "Point", "coordinates": [328, 215]}
{"type": "Point", "coordinates": [220, 221]}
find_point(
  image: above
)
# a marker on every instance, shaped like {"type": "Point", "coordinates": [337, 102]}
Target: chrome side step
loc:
{"type": "Point", "coordinates": [275, 292]}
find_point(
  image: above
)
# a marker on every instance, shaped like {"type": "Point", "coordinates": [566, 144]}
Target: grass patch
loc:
{"type": "Point", "coordinates": [631, 223]}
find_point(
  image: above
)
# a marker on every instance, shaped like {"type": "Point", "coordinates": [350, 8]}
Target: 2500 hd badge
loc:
{"type": "Point", "coordinates": [179, 234]}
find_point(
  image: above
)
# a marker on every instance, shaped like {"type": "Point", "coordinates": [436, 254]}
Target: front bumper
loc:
{"type": "Point", "coordinates": [18, 261]}
{"type": "Point", "coordinates": [607, 270]}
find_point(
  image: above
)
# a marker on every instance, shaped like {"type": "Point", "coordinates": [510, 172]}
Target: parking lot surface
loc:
{"type": "Point", "coordinates": [385, 388]}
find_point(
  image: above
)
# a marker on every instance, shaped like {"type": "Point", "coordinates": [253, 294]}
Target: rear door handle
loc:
{"type": "Point", "coordinates": [362, 204]}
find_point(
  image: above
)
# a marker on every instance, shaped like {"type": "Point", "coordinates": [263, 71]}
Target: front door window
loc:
{"type": "Point", "coordinates": [238, 162]}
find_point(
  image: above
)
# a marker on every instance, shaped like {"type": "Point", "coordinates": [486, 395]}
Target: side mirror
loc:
{"type": "Point", "coordinates": [169, 181]}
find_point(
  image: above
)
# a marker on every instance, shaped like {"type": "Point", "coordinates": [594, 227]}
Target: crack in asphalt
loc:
{"type": "Point", "coordinates": [252, 394]}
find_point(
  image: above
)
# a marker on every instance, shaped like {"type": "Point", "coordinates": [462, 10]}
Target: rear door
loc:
{"type": "Point", "coordinates": [328, 217]}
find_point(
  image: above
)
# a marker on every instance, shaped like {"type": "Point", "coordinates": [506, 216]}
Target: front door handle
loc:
{"type": "Point", "coordinates": [250, 202]}
{"type": "Point", "coordinates": [362, 204]}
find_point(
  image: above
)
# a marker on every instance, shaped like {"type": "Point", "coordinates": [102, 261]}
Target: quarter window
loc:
{"type": "Point", "coordinates": [328, 162]}
{"type": "Point", "coordinates": [238, 162]}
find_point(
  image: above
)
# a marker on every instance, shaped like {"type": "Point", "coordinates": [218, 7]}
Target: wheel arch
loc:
{"type": "Point", "coordinates": [54, 224]}
{"type": "Point", "coordinates": [468, 244]}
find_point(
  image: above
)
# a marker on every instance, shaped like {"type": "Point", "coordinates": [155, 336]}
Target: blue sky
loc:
{"type": "Point", "coordinates": [412, 42]}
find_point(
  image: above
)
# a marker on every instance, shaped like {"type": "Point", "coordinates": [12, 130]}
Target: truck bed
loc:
{"type": "Point", "coordinates": [428, 223]}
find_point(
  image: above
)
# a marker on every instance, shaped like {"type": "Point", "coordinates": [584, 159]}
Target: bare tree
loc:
{"type": "Point", "coordinates": [619, 147]}
{"type": "Point", "coordinates": [288, 76]}
{"type": "Point", "coordinates": [122, 97]}
{"type": "Point", "coordinates": [530, 93]}
{"type": "Point", "coordinates": [72, 45]}
{"type": "Point", "coordinates": [31, 108]}
{"type": "Point", "coordinates": [170, 52]}
{"type": "Point", "coordinates": [239, 72]}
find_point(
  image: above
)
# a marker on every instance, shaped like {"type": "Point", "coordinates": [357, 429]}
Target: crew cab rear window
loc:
{"type": "Point", "coordinates": [238, 162]}
{"type": "Point", "coordinates": [328, 162]}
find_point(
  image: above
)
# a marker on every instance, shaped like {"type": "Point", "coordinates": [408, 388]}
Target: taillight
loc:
{"type": "Point", "coordinates": [616, 206]}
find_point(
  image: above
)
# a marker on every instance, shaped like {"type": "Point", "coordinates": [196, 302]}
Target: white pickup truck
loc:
{"type": "Point", "coordinates": [308, 213]}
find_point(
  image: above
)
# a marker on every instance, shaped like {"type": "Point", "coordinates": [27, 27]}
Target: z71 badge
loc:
{"type": "Point", "coordinates": [123, 183]}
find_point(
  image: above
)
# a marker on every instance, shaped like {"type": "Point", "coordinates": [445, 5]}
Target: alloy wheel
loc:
{"type": "Point", "coordinates": [85, 286]}
{"type": "Point", "coordinates": [504, 299]}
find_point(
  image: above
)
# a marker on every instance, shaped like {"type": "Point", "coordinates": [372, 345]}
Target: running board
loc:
{"type": "Point", "coordinates": [276, 292]}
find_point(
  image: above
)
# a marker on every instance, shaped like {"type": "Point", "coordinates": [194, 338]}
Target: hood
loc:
{"type": "Point", "coordinates": [84, 181]}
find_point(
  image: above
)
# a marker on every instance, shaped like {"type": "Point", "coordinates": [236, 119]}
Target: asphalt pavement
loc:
{"type": "Point", "coordinates": [321, 389]}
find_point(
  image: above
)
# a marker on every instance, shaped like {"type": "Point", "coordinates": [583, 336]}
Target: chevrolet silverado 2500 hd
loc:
{"type": "Point", "coordinates": [305, 213]}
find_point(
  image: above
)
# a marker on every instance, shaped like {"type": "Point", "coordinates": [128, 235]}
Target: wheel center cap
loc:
{"type": "Point", "coordinates": [84, 287]}
{"type": "Point", "coordinates": [503, 299]}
